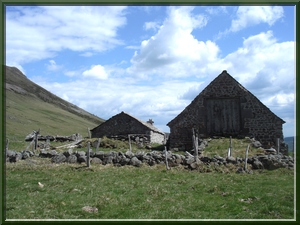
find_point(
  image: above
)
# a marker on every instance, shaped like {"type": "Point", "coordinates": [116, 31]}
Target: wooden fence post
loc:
{"type": "Point", "coordinates": [165, 142]}
{"type": "Point", "coordinates": [230, 147]}
{"type": "Point", "coordinates": [195, 142]}
{"type": "Point", "coordinates": [98, 144]}
{"type": "Point", "coordinates": [33, 143]}
{"type": "Point", "coordinates": [89, 132]}
{"type": "Point", "coordinates": [6, 146]}
{"type": "Point", "coordinates": [30, 144]}
{"type": "Point", "coordinates": [36, 133]}
{"type": "Point", "coordinates": [47, 146]}
{"type": "Point", "coordinates": [246, 157]}
{"type": "Point", "coordinates": [278, 146]}
{"type": "Point", "coordinates": [129, 143]}
{"type": "Point", "coordinates": [88, 155]}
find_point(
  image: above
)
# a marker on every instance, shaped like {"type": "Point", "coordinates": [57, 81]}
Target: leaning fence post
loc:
{"type": "Point", "coordinates": [30, 144]}
{"type": "Point", "coordinates": [6, 146]}
{"type": "Point", "coordinates": [246, 157]}
{"type": "Point", "coordinates": [36, 139]}
{"type": "Point", "coordinates": [88, 154]}
{"type": "Point", "coordinates": [229, 149]}
{"type": "Point", "coordinates": [98, 144]}
{"type": "Point", "coordinates": [33, 142]}
{"type": "Point", "coordinates": [167, 164]}
{"type": "Point", "coordinates": [278, 146]}
{"type": "Point", "coordinates": [195, 140]}
{"type": "Point", "coordinates": [129, 143]}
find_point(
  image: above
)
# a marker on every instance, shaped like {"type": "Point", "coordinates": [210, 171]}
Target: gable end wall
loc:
{"type": "Point", "coordinates": [256, 119]}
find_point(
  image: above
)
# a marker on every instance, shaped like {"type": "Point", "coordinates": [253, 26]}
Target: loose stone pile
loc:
{"type": "Point", "coordinates": [263, 161]}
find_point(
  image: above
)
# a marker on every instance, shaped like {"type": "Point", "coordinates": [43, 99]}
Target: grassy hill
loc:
{"type": "Point", "coordinates": [30, 107]}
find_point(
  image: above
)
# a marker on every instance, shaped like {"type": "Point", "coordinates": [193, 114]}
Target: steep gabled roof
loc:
{"type": "Point", "coordinates": [148, 125]}
{"type": "Point", "coordinates": [206, 92]}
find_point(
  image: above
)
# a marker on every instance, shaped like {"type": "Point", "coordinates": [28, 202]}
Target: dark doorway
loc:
{"type": "Point", "coordinates": [223, 116]}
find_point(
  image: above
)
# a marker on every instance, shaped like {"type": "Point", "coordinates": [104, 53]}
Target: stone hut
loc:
{"type": "Point", "coordinates": [225, 108]}
{"type": "Point", "coordinates": [125, 124]}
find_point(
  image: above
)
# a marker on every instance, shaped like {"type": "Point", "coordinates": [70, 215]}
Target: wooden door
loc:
{"type": "Point", "coordinates": [223, 116]}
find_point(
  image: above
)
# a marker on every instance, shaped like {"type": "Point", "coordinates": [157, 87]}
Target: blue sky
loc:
{"type": "Point", "coordinates": [152, 61]}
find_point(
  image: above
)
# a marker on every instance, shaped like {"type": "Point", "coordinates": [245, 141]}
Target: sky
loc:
{"type": "Point", "coordinates": [152, 61]}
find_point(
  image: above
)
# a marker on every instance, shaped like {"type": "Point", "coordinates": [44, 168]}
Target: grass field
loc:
{"type": "Point", "coordinates": [144, 193]}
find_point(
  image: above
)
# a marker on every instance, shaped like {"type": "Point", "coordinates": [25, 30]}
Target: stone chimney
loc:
{"type": "Point", "coordinates": [150, 121]}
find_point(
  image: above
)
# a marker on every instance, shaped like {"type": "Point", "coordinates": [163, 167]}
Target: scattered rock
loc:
{"type": "Point", "coordinates": [80, 153]}
{"type": "Point", "coordinates": [231, 159]}
{"type": "Point", "coordinates": [256, 144]}
{"type": "Point", "coordinates": [257, 165]}
{"type": "Point", "coordinates": [72, 159]}
{"type": "Point", "coordinates": [40, 184]}
{"type": "Point", "coordinates": [60, 158]}
{"type": "Point", "coordinates": [68, 152]}
{"type": "Point", "coordinates": [25, 155]}
{"type": "Point", "coordinates": [10, 153]}
{"type": "Point", "coordinates": [134, 161]}
{"type": "Point", "coordinates": [90, 209]}
{"type": "Point", "coordinates": [129, 154]}
{"type": "Point", "coordinates": [99, 154]}
{"type": "Point", "coordinates": [81, 159]}
{"type": "Point", "coordinates": [271, 151]}
{"type": "Point", "coordinates": [96, 160]}
{"type": "Point", "coordinates": [240, 170]}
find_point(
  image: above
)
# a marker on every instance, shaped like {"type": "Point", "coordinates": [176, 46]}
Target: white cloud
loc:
{"type": "Point", "coordinates": [35, 33]}
{"type": "Point", "coordinates": [263, 64]}
{"type": "Point", "coordinates": [173, 48]}
{"type": "Point", "coordinates": [193, 91]}
{"type": "Point", "coordinates": [247, 16]}
{"type": "Point", "coordinates": [151, 25]}
{"type": "Point", "coordinates": [96, 71]}
{"type": "Point", "coordinates": [252, 15]}
{"type": "Point", "coordinates": [71, 73]}
{"type": "Point", "coordinates": [132, 47]}
{"type": "Point", "coordinates": [282, 99]}
{"type": "Point", "coordinates": [52, 66]}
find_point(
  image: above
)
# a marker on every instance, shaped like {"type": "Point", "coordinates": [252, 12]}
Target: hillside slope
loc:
{"type": "Point", "coordinates": [30, 107]}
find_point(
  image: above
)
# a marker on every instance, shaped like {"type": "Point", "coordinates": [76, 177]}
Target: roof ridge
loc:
{"type": "Point", "coordinates": [152, 127]}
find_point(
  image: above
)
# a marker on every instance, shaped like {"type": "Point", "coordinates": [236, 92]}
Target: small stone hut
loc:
{"type": "Point", "coordinates": [125, 124]}
{"type": "Point", "coordinates": [225, 108]}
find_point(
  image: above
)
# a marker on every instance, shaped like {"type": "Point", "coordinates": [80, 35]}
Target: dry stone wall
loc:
{"type": "Point", "coordinates": [202, 163]}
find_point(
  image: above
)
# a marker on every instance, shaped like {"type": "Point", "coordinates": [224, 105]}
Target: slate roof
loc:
{"type": "Point", "coordinates": [148, 125]}
{"type": "Point", "coordinates": [151, 127]}
{"type": "Point", "coordinates": [223, 75]}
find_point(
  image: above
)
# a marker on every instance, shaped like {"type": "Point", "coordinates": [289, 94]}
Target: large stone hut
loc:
{"type": "Point", "coordinates": [225, 108]}
{"type": "Point", "coordinates": [125, 124]}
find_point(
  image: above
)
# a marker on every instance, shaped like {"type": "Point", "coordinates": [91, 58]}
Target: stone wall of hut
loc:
{"type": "Point", "coordinates": [123, 124]}
{"type": "Point", "coordinates": [225, 108]}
